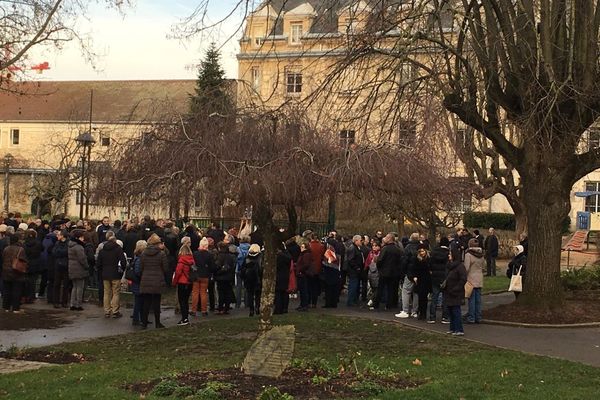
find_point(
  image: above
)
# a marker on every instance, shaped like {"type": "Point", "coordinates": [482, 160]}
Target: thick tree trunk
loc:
{"type": "Point", "coordinates": [263, 215]}
{"type": "Point", "coordinates": [546, 198]}
{"type": "Point", "coordinates": [292, 220]}
{"type": "Point", "coordinates": [519, 209]}
{"type": "Point", "coordinates": [520, 224]}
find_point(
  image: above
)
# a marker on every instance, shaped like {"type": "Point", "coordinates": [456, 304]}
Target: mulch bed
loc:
{"type": "Point", "coordinates": [294, 381]}
{"type": "Point", "coordinates": [572, 312]}
{"type": "Point", "coordinates": [51, 357]}
{"type": "Point", "coordinates": [32, 319]}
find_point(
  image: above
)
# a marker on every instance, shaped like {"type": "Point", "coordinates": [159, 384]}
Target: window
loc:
{"type": "Point", "coordinates": [255, 78]}
{"type": "Point", "coordinates": [14, 137]}
{"type": "Point", "coordinates": [407, 133]}
{"type": "Point", "coordinates": [293, 82]}
{"type": "Point", "coordinates": [593, 138]}
{"type": "Point", "coordinates": [350, 24]}
{"type": "Point", "coordinates": [347, 137]}
{"type": "Point", "coordinates": [258, 41]}
{"type": "Point", "coordinates": [296, 33]}
{"type": "Point", "coordinates": [104, 140]}
{"type": "Point", "coordinates": [592, 203]}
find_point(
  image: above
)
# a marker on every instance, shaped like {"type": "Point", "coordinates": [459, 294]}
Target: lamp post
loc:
{"type": "Point", "coordinates": [8, 159]}
{"type": "Point", "coordinates": [86, 140]}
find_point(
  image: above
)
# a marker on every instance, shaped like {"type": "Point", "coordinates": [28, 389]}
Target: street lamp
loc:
{"type": "Point", "coordinates": [86, 140]}
{"type": "Point", "coordinates": [8, 159]}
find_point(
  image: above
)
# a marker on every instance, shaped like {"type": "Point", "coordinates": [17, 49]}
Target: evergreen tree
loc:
{"type": "Point", "coordinates": [211, 92]}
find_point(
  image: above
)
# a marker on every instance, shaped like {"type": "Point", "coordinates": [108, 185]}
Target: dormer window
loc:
{"type": "Point", "coordinates": [295, 33]}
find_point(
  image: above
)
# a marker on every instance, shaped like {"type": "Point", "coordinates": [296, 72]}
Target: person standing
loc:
{"type": "Point", "coordinates": [153, 264]}
{"type": "Point", "coordinates": [282, 280]}
{"type": "Point", "coordinates": [421, 276]}
{"type": "Point", "coordinates": [205, 264]}
{"type": "Point", "coordinates": [331, 276]}
{"type": "Point", "coordinates": [474, 265]}
{"type": "Point", "coordinates": [13, 280]}
{"type": "Point", "coordinates": [408, 286]}
{"type": "Point", "coordinates": [60, 253]}
{"type": "Point", "coordinates": [140, 246]}
{"type": "Point", "coordinates": [389, 269]}
{"type": "Point", "coordinates": [251, 274]}
{"type": "Point", "coordinates": [355, 262]}
{"type": "Point", "coordinates": [302, 266]}
{"type": "Point", "coordinates": [317, 251]}
{"type": "Point", "coordinates": [181, 280]}
{"type": "Point", "coordinates": [33, 252]}
{"type": "Point", "coordinates": [491, 252]}
{"type": "Point", "coordinates": [224, 276]}
{"type": "Point", "coordinates": [454, 295]}
{"type": "Point", "coordinates": [102, 229]}
{"type": "Point", "coordinates": [78, 268]}
{"type": "Point", "coordinates": [112, 262]}
{"type": "Point", "coordinates": [439, 264]}
{"type": "Point", "coordinates": [517, 265]}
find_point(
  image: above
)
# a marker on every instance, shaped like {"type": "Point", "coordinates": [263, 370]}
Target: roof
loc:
{"type": "Point", "coordinates": [114, 101]}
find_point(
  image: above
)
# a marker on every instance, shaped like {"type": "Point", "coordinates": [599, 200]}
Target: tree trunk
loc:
{"type": "Point", "coordinates": [520, 211]}
{"type": "Point", "coordinates": [546, 191]}
{"type": "Point", "coordinates": [292, 220]}
{"type": "Point", "coordinates": [432, 226]}
{"type": "Point", "coordinates": [263, 216]}
{"type": "Point", "coordinates": [520, 224]}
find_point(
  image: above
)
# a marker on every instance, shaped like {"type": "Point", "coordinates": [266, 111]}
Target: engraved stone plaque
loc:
{"type": "Point", "coordinates": [271, 353]}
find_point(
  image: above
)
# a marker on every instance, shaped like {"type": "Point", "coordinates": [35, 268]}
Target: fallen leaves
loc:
{"type": "Point", "coordinates": [417, 362]}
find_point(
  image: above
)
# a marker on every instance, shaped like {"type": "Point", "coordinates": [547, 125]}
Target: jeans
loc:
{"type": "Point", "coordinates": [252, 299]}
{"type": "Point", "coordinates": [474, 314]}
{"type": "Point", "coordinates": [239, 287]}
{"type": "Point", "coordinates": [183, 295]}
{"type": "Point", "coordinates": [137, 308]}
{"type": "Point", "coordinates": [112, 291]}
{"type": "Point", "coordinates": [43, 283]}
{"type": "Point", "coordinates": [436, 290]}
{"type": "Point", "coordinates": [200, 291]}
{"type": "Point", "coordinates": [353, 283]}
{"type": "Point", "coordinates": [456, 324]}
{"type": "Point", "coordinates": [491, 266]}
{"type": "Point", "coordinates": [77, 292]}
{"type": "Point", "coordinates": [11, 295]}
{"type": "Point", "coordinates": [408, 292]}
{"type": "Point", "coordinates": [302, 282]}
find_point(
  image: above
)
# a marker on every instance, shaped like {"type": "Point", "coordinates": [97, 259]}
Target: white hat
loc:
{"type": "Point", "coordinates": [23, 226]}
{"type": "Point", "coordinates": [120, 243]}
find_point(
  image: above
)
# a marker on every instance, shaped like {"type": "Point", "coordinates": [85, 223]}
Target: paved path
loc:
{"type": "Point", "coordinates": [575, 344]}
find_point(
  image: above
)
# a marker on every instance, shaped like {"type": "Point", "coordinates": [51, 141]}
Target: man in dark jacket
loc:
{"type": "Point", "coordinates": [355, 262]}
{"type": "Point", "coordinates": [438, 265]}
{"type": "Point", "coordinates": [410, 256]}
{"type": "Point", "coordinates": [111, 261]}
{"type": "Point", "coordinates": [479, 237]}
{"type": "Point", "coordinates": [48, 260]}
{"type": "Point", "coordinates": [60, 253]}
{"type": "Point", "coordinates": [102, 229]}
{"type": "Point", "coordinates": [491, 252]}
{"type": "Point", "coordinates": [389, 267]}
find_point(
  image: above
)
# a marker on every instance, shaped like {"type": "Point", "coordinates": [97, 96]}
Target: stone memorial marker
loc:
{"type": "Point", "coordinates": [271, 353]}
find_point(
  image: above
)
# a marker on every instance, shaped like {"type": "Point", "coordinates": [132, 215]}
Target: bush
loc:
{"type": "Point", "coordinates": [272, 393]}
{"type": "Point", "coordinates": [586, 278]}
{"type": "Point", "coordinates": [165, 388]}
{"type": "Point", "coordinates": [498, 221]}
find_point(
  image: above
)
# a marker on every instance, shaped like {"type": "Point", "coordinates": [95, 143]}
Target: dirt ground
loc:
{"type": "Point", "coordinates": [572, 312]}
{"type": "Point", "coordinates": [52, 357]}
{"type": "Point", "coordinates": [33, 319]}
{"type": "Point", "coordinates": [297, 382]}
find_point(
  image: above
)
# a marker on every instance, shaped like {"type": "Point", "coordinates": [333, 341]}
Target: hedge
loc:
{"type": "Point", "coordinates": [500, 221]}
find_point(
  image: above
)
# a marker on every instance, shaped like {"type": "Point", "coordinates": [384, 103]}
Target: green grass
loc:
{"type": "Point", "coordinates": [452, 368]}
{"type": "Point", "coordinates": [495, 283]}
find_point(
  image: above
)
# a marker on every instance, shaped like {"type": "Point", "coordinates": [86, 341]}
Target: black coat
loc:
{"type": "Point", "coordinates": [60, 253]}
{"type": "Point", "coordinates": [131, 238]}
{"type": "Point", "coordinates": [205, 263]}
{"type": "Point", "coordinates": [389, 262]}
{"type": "Point", "coordinates": [454, 294]}
{"type": "Point", "coordinates": [33, 251]}
{"type": "Point", "coordinates": [111, 261]}
{"type": "Point", "coordinates": [515, 263]}
{"type": "Point", "coordinates": [225, 266]}
{"type": "Point", "coordinates": [282, 278]}
{"type": "Point", "coordinates": [421, 269]}
{"type": "Point", "coordinates": [438, 264]}
{"type": "Point", "coordinates": [491, 246]}
{"type": "Point", "coordinates": [355, 261]}
{"type": "Point", "coordinates": [251, 272]}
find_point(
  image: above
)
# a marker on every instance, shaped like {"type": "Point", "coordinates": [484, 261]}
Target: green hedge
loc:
{"type": "Point", "coordinates": [499, 221]}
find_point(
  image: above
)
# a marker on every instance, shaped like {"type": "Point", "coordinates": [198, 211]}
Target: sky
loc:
{"type": "Point", "coordinates": [136, 43]}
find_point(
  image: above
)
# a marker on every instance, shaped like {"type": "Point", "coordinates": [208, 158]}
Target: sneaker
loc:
{"type": "Point", "coordinates": [20, 311]}
{"type": "Point", "coordinates": [414, 315]}
{"type": "Point", "coordinates": [371, 308]}
{"type": "Point", "coordinates": [106, 315]}
{"type": "Point", "coordinates": [450, 333]}
{"type": "Point", "coordinates": [431, 321]}
{"type": "Point", "coordinates": [458, 334]}
{"type": "Point", "coordinates": [402, 314]}
{"type": "Point", "coordinates": [445, 321]}
{"type": "Point", "coordinates": [183, 322]}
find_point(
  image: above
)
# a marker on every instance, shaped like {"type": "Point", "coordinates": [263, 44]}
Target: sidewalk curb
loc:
{"type": "Point", "coordinates": [540, 326]}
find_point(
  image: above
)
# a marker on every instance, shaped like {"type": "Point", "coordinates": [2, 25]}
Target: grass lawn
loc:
{"type": "Point", "coordinates": [495, 283]}
{"type": "Point", "coordinates": [451, 367]}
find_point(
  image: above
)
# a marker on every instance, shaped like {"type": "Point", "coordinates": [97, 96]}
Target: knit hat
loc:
{"type": "Point", "coordinates": [23, 226]}
{"type": "Point", "coordinates": [254, 250]}
{"type": "Point", "coordinates": [422, 247]}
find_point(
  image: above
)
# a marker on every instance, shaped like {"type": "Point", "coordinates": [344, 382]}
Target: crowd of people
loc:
{"type": "Point", "coordinates": [214, 270]}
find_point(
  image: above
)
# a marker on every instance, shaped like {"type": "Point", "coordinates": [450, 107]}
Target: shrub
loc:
{"type": "Point", "coordinates": [272, 393]}
{"type": "Point", "coordinates": [207, 393]}
{"type": "Point", "coordinates": [165, 388]}
{"type": "Point", "coordinates": [498, 221]}
{"type": "Point", "coordinates": [183, 391]}
{"type": "Point", "coordinates": [585, 278]}
{"type": "Point", "coordinates": [368, 388]}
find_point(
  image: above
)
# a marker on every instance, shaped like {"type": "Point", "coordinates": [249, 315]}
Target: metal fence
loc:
{"type": "Point", "coordinates": [320, 228]}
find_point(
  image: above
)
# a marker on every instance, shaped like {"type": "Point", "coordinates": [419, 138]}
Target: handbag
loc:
{"type": "Point", "coordinates": [468, 289]}
{"type": "Point", "coordinates": [292, 284]}
{"type": "Point", "coordinates": [516, 282]}
{"type": "Point", "coordinates": [19, 264]}
{"type": "Point", "coordinates": [124, 282]}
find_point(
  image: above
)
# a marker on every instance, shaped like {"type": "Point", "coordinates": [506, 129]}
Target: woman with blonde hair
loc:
{"type": "Point", "coordinates": [181, 279]}
{"type": "Point", "coordinates": [140, 246]}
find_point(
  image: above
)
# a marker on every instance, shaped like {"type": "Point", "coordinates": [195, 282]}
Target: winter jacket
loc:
{"type": "Point", "coordinates": [46, 257]}
{"type": "Point", "coordinates": [454, 293]}
{"type": "Point", "coordinates": [78, 265]}
{"type": "Point", "coordinates": [390, 262]}
{"type": "Point", "coordinates": [101, 230]}
{"type": "Point", "coordinates": [519, 260]}
{"type": "Point", "coordinates": [355, 261]}
{"type": "Point", "coordinates": [304, 263]}
{"type": "Point", "coordinates": [153, 265]}
{"type": "Point", "coordinates": [135, 284]}
{"type": "Point", "coordinates": [421, 269]}
{"type": "Point", "coordinates": [225, 266]}
{"type": "Point", "coordinates": [8, 255]}
{"type": "Point", "coordinates": [438, 264]}
{"type": "Point", "coordinates": [282, 278]}
{"type": "Point", "coordinates": [317, 249]}
{"type": "Point", "coordinates": [491, 246]}
{"type": "Point", "coordinates": [205, 263]}
{"type": "Point", "coordinates": [251, 272]}
{"type": "Point", "coordinates": [33, 251]}
{"type": "Point", "coordinates": [243, 249]}
{"type": "Point", "coordinates": [60, 252]}
{"type": "Point", "coordinates": [474, 264]}
{"type": "Point", "coordinates": [182, 271]}
{"type": "Point", "coordinates": [455, 250]}
{"type": "Point", "coordinates": [111, 261]}
{"type": "Point", "coordinates": [131, 238]}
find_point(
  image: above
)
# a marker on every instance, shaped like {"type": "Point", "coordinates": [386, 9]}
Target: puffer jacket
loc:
{"type": "Point", "coordinates": [60, 253]}
{"type": "Point", "coordinates": [438, 264]}
{"type": "Point", "coordinates": [78, 264]}
{"type": "Point", "coordinates": [182, 271]}
{"type": "Point", "coordinates": [474, 264]}
{"type": "Point", "coordinates": [153, 265]}
{"type": "Point", "coordinates": [454, 294]}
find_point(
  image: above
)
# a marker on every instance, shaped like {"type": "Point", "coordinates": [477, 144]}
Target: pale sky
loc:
{"type": "Point", "coordinates": [136, 45]}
